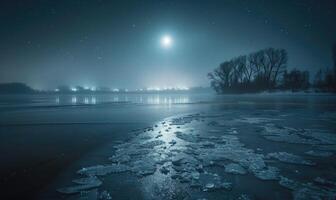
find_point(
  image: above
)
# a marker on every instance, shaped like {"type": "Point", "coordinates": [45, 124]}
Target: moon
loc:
{"type": "Point", "coordinates": [166, 41]}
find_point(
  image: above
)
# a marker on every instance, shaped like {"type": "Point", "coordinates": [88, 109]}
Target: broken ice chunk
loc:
{"type": "Point", "coordinates": [290, 158]}
{"type": "Point", "coordinates": [313, 193]}
{"type": "Point", "coordinates": [152, 144]}
{"type": "Point", "coordinates": [88, 194]}
{"type": "Point", "coordinates": [234, 168]}
{"type": "Point", "coordinates": [255, 120]}
{"type": "Point", "coordinates": [211, 182]}
{"type": "Point", "coordinates": [244, 197]}
{"type": "Point", "coordinates": [319, 153]}
{"type": "Point", "coordinates": [271, 173]}
{"type": "Point", "coordinates": [182, 158]}
{"type": "Point", "coordinates": [186, 137]}
{"type": "Point", "coordinates": [209, 186]}
{"type": "Point", "coordinates": [288, 183]}
{"type": "Point", "coordinates": [292, 135]}
{"type": "Point", "coordinates": [120, 158]}
{"type": "Point", "coordinates": [218, 186]}
{"type": "Point", "coordinates": [105, 195]}
{"type": "Point", "coordinates": [87, 180]}
{"type": "Point", "coordinates": [164, 170]}
{"type": "Point", "coordinates": [144, 167]}
{"type": "Point", "coordinates": [302, 191]}
{"type": "Point", "coordinates": [79, 188]}
{"type": "Point", "coordinates": [324, 182]}
{"type": "Point", "coordinates": [101, 170]}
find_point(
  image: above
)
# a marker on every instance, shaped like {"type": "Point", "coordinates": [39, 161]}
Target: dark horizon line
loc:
{"type": "Point", "coordinates": [21, 87]}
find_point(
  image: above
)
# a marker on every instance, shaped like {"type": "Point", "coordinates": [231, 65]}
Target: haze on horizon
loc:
{"type": "Point", "coordinates": [119, 43]}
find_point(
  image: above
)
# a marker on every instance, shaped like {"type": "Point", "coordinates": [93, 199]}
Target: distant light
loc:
{"type": "Point", "coordinates": [74, 100]}
{"type": "Point", "coordinates": [74, 89]}
{"type": "Point", "coordinates": [166, 41]}
{"type": "Point", "coordinates": [167, 88]}
{"type": "Point", "coordinates": [115, 90]}
{"type": "Point", "coordinates": [93, 100]}
{"type": "Point", "coordinates": [93, 88]}
{"type": "Point", "coordinates": [56, 90]}
{"type": "Point", "coordinates": [153, 89]}
{"type": "Point", "coordinates": [183, 88]}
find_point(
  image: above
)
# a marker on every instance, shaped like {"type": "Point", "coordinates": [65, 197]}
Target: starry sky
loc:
{"type": "Point", "coordinates": [47, 43]}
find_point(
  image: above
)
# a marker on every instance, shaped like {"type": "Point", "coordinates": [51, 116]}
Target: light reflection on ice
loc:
{"type": "Point", "coordinates": [93, 100]}
{"type": "Point", "coordinates": [151, 99]}
{"type": "Point", "coordinates": [74, 100]}
{"type": "Point", "coordinates": [57, 100]}
{"type": "Point", "coordinates": [169, 154]}
{"type": "Point", "coordinates": [86, 100]}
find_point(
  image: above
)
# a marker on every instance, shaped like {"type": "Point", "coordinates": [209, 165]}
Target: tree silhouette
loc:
{"type": "Point", "coordinates": [334, 58]}
{"type": "Point", "coordinates": [257, 71]}
{"type": "Point", "coordinates": [296, 80]}
{"type": "Point", "coordinates": [12, 88]}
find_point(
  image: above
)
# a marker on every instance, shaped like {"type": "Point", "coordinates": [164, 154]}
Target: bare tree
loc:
{"type": "Point", "coordinates": [257, 71]}
{"type": "Point", "coordinates": [280, 64]}
{"type": "Point", "coordinates": [221, 77]}
{"type": "Point", "coordinates": [334, 58]}
{"type": "Point", "coordinates": [241, 68]}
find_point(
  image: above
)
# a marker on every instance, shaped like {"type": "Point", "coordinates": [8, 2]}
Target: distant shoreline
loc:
{"type": "Point", "coordinates": [23, 89]}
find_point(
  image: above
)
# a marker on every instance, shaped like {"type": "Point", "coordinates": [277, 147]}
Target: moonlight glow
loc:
{"type": "Point", "coordinates": [166, 41]}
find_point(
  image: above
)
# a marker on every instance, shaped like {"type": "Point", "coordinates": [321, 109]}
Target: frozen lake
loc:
{"type": "Point", "coordinates": [168, 146]}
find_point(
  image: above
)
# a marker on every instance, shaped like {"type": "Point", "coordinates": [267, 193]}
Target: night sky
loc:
{"type": "Point", "coordinates": [109, 43]}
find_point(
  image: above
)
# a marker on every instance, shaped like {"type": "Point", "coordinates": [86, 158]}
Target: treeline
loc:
{"type": "Point", "coordinates": [254, 72]}
{"type": "Point", "coordinates": [267, 70]}
{"type": "Point", "coordinates": [15, 88]}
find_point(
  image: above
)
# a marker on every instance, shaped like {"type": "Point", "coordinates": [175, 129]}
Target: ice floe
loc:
{"type": "Point", "coordinates": [101, 170]}
{"type": "Point", "coordinates": [297, 136]}
{"type": "Point", "coordinates": [185, 149]}
{"type": "Point", "coordinates": [234, 168]}
{"type": "Point", "coordinates": [270, 173]}
{"type": "Point", "coordinates": [319, 153]}
{"type": "Point", "coordinates": [290, 158]}
{"type": "Point", "coordinates": [255, 120]}
{"type": "Point", "coordinates": [83, 184]}
{"type": "Point", "coordinates": [303, 191]}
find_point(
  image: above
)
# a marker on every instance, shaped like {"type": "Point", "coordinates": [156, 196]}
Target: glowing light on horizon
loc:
{"type": "Point", "coordinates": [153, 89]}
{"type": "Point", "coordinates": [182, 88]}
{"type": "Point", "coordinates": [167, 88]}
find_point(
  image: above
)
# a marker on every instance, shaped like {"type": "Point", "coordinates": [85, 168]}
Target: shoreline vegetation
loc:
{"type": "Point", "coordinates": [266, 70]}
